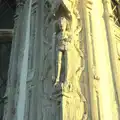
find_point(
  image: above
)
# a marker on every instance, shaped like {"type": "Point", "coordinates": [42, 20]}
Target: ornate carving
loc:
{"type": "Point", "coordinates": [65, 17]}
{"type": "Point", "coordinates": [64, 38]}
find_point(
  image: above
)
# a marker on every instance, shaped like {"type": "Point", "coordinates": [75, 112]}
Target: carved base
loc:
{"type": "Point", "coordinates": [71, 106]}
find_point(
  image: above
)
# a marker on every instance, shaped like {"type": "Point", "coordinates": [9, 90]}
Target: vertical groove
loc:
{"type": "Point", "coordinates": [86, 63]}
{"type": "Point", "coordinates": [39, 82]}
{"type": "Point", "coordinates": [89, 61]}
{"type": "Point", "coordinates": [113, 58]}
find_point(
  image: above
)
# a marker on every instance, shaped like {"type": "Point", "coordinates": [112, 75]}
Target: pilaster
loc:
{"type": "Point", "coordinates": [20, 110]}
{"type": "Point", "coordinates": [12, 73]}
{"type": "Point", "coordinates": [87, 8]}
{"type": "Point", "coordinates": [110, 29]}
{"type": "Point", "coordinates": [108, 102]}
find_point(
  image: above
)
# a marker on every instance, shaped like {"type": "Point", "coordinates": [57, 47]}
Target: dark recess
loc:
{"type": "Point", "coordinates": [7, 11]}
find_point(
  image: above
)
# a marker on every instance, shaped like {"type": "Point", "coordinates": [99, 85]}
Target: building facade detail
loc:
{"type": "Point", "coordinates": [65, 61]}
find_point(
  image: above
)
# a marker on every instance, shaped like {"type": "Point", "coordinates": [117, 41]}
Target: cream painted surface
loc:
{"type": "Point", "coordinates": [103, 63]}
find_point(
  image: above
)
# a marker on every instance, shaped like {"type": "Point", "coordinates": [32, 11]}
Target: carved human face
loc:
{"type": "Point", "coordinates": [62, 22]}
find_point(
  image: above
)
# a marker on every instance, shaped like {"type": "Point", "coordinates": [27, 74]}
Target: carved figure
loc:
{"type": "Point", "coordinates": [64, 38]}
{"type": "Point", "coordinates": [67, 26]}
{"type": "Point", "coordinates": [66, 16]}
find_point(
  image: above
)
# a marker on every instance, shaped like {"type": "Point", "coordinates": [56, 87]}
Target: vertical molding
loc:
{"type": "Point", "coordinates": [33, 104]}
{"type": "Point", "coordinates": [96, 75]}
{"type": "Point", "coordinates": [86, 77]}
{"type": "Point", "coordinates": [108, 16]}
{"type": "Point", "coordinates": [106, 90]}
{"type": "Point", "coordinates": [53, 54]}
{"type": "Point", "coordinates": [40, 45]}
{"type": "Point", "coordinates": [13, 66]}
{"type": "Point", "coordinates": [88, 45]}
{"type": "Point", "coordinates": [24, 67]}
{"type": "Point", "coordinates": [94, 70]}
